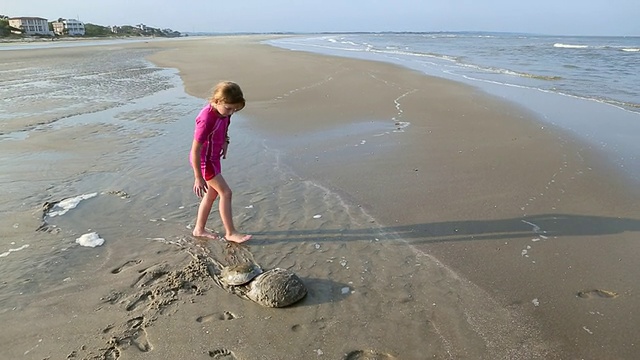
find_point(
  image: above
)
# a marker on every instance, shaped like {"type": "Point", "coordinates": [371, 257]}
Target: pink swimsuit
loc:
{"type": "Point", "coordinates": [211, 132]}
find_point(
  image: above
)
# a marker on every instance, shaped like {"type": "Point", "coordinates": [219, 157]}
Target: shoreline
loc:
{"type": "Point", "coordinates": [584, 117]}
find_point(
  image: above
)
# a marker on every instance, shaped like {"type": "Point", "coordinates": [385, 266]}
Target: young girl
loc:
{"type": "Point", "coordinates": [210, 143]}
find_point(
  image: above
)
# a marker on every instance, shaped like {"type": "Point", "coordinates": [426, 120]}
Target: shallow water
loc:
{"type": "Point", "coordinates": [587, 86]}
{"type": "Point", "coordinates": [591, 67]}
{"type": "Point", "coordinates": [117, 126]}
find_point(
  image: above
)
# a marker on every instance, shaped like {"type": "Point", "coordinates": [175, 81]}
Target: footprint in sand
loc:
{"type": "Point", "coordinates": [126, 265]}
{"type": "Point", "coordinates": [140, 340]}
{"type": "Point", "coordinates": [135, 322]}
{"type": "Point", "coordinates": [112, 298]}
{"type": "Point", "coordinates": [150, 275]}
{"type": "Point", "coordinates": [222, 354]}
{"type": "Point", "coordinates": [222, 316]}
{"type": "Point", "coordinates": [134, 336]}
{"type": "Point", "coordinates": [368, 355]}
{"type": "Point", "coordinates": [316, 323]}
{"type": "Point", "coordinates": [597, 293]}
{"type": "Point", "coordinates": [138, 299]}
{"type": "Point", "coordinates": [112, 353]}
{"type": "Point", "coordinates": [107, 329]}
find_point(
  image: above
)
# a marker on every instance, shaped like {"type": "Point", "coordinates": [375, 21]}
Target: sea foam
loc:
{"type": "Point", "coordinates": [90, 240]}
{"type": "Point", "coordinates": [570, 46]}
{"type": "Point", "coordinates": [68, 204]}
{"type": "Point", "coordinates": [6, 253]}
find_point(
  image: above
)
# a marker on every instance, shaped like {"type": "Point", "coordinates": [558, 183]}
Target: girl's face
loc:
{"type": "Point", "coordinates": [225, 109]}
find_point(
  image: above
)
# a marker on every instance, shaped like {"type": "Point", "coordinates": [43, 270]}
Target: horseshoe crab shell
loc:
{"type": "Point", "coordinates": [240, 274]}
{"type": "Point", "coordinates": [276, 288]}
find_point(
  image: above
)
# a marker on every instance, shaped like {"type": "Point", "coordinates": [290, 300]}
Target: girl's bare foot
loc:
{"type": "Point", "coordinates": [206, 234]}
{"type": "Point", "coordinates": [237, 238]}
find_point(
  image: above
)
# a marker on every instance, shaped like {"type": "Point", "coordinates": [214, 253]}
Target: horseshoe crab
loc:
{"type": "Point", "coordinates": [240, 274]}
{"type": "Point", "coordinates": [243, 277]}
{"type": "Point", "coordinates": [276, 288]}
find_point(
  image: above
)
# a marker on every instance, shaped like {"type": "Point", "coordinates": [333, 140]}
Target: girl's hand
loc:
{"type": "Point", "coordinates": [200, 187]}
{"type": "Point", "coordinates": [223, 152]}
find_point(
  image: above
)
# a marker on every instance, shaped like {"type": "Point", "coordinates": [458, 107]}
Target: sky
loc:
{"type": "Point", "coordinates": [554, 17]}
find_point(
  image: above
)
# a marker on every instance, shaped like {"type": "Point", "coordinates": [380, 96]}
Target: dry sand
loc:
{"type": "Point", "coordinates": [459, 226]}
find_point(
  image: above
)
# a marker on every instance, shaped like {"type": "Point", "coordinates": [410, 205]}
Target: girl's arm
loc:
{"type": "Point", "coordinates": [225, 145]}
{"type": "Point", "coordinates": [199, 184]}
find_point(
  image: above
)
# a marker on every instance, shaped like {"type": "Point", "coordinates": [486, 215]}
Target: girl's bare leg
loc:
{"type": "Point", "coordinates": [220, 186]}
{"type": "Point", "coordinates": [204, 210]}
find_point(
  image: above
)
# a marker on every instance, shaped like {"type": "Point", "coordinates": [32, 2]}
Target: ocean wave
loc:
{"type": "Point", "coordinates": [340, 41]}
{"type": "Point", "coordinates": [511, 72]}
{"type": "Point", "coordinates": [540, 77]}
{"type": "Point", "coordinates": [601, 47]}
{"type": "Point", "coordinates": [350, 43]}
{"type": "Point", "coordinates": [626, 104]}
{"type": "Point", "coordinates": [398, 51]}
{"type": "Point", "coordinates": [570, 46]}
{"type": "Point", "coordinates": [459, 62]}
{"type": "Point", "coordinates": [622, 105]}
{"type": "Point", "coordinates": [524, 74]}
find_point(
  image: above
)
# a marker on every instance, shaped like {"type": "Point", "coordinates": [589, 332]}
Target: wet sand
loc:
{"type": "Point", "coordinates": [452, 225]}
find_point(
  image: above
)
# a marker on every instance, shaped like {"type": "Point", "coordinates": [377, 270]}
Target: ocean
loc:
{"type": "Point", "coordinates": [587, 85]}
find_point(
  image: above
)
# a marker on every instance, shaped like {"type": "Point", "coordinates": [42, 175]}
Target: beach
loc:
{"type": "Point", "coordinates": [427, 218]}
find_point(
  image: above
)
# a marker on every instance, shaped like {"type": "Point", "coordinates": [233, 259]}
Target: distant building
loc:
{"type": "Point", "coordinates": [30, 25]}
{"type": "Point", "coordinates": [68, 27]}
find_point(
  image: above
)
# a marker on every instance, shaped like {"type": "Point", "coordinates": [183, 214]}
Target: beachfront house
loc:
{"type": "Point", "coordinates": [68, 27]}
{"type": "Point", "coordinates": [30, 25]}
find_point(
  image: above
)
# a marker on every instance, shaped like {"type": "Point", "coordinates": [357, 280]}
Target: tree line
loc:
{"type": "Point", "coordinates": [93, 30]}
